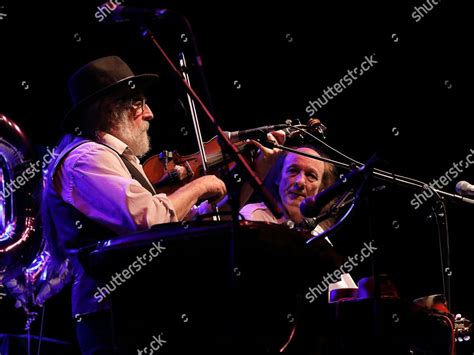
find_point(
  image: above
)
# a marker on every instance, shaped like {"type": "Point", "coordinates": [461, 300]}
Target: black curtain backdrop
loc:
{"type": "Point", "coordinates": [263, 63]}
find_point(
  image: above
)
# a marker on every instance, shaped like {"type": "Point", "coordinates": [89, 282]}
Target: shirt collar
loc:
{"type": "Point", "coordinates": [113, 142]}
{"type": "Point", "coordinates": [117, 144]}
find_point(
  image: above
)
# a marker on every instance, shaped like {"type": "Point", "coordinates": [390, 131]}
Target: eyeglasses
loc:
{"type": "Point", "coordinates": [138, 104]}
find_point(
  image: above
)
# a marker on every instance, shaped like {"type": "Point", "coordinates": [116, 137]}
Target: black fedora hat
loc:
{"type": "Point", "coordinates": [102, 77]}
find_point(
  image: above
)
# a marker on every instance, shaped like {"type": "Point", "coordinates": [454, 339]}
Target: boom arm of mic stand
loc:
{"type": "Point", "coordinates": [389, 177]}
{"type": "Point", "coordinates": [397, 180]}
{"type": "Point", "coordinates": [254, 179]}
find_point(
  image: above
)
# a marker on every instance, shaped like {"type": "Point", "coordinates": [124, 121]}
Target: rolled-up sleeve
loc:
{"type": "Point", "coordinates": [95, 181]}
{"type": "Point", "coordinates": [257, 212]}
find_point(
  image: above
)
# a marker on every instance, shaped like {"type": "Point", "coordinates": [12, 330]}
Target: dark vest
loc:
{"type": "Point", "coordinates": [71, 231]}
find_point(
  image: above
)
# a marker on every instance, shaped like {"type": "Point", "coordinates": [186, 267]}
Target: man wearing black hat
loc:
{"type": "Point", "coordinates": [96, 187]}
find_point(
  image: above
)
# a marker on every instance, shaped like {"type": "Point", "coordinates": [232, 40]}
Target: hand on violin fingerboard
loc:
{"type": "Point", "coordinates": [267, 157]}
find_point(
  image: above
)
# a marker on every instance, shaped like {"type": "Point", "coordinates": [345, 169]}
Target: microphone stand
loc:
{"type": "Point", "coordinates": [439, 212]}
{"type": "Point", "coordinates": [441, 219]}
{"type": "Point", "coordinates": [197, 128]}
{"type": "Point", "coordinates": [228, 146]}
{"type": "Point", "coordinates": [192, 109]}
{"type": "Point", "coordinates": [378, 174]}
{"type": "Point", "coordinates": [198, 62]}
{"type": "Point", "coordinates": [224, 139]}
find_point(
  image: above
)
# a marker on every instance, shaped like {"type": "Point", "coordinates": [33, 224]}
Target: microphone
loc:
{"type": "Point", "coordinates": [312, 206]}
{"type": "Point", "coordinates": [315, 124]}
{"type": "Point", "coordinates": [464, 188]}
{"type": "Point", "coordinates": [254, 133]}
{"type": "Point", "coordinates": [129, 14]}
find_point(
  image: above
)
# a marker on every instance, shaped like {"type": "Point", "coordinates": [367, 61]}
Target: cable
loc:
{"type": "Point", "coordinates": [29, 342]}
{"type": "Point", "coordinates": [30, 317]}
{"type": "Point", "coordinates": [334, 227]}
{"type": "Point", "coordinates": [41, 330]}
{"type": "Point", "coordinates": [453, 331]}
{"type": "Point", "coordinates": [353, 160]}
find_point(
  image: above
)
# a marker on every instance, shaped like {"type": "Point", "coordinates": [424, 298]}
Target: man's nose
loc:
{"type": "Point", "coordinates": [300, 179]}
{"type": "Point", "coordinates": [147, 113]}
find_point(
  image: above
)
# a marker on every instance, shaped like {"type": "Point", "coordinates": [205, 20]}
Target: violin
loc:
{"type": "Point", "coordinates": [168, 171]}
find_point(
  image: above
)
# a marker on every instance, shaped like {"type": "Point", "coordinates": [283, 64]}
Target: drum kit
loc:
{"type": "Point", "coordinates": [226, 287]}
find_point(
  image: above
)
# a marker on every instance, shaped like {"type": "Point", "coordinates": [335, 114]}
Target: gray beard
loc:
{"type": "Point", "coordinates": [138, 141]}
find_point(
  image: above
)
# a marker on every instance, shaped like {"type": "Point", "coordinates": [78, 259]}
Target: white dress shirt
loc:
{"type": "Point", "coordinates": [94, 179]}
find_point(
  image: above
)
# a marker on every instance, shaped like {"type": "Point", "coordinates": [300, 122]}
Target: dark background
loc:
{"type": "Point", "coordinates": [262, 64]}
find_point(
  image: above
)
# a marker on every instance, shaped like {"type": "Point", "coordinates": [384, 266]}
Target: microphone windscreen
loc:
{"type": "Point", "coordinates": [462, 187]}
